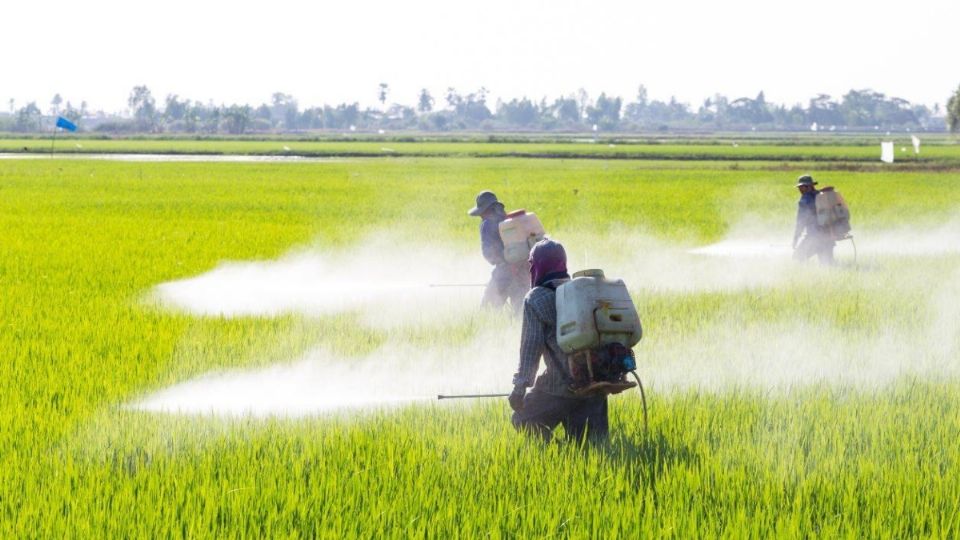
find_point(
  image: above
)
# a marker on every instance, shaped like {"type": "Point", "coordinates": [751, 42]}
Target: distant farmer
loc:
{"type": "Point", "coordinates": [809, 237]}
{"type": "Point", "coordinates": [551, 402]}
{"type": "Point", "coordinates": [507, 281]}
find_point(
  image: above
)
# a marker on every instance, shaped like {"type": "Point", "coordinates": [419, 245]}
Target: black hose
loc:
{"type": "Point", "coordinates": [643, 398]}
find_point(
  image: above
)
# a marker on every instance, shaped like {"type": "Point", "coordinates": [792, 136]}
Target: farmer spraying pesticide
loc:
{"type": "Point", "coordinates": [505, 241]}
{"type": "Point", "coordinates": [822, 218]}
{"type": "Point", "coordinates": [568, 322]}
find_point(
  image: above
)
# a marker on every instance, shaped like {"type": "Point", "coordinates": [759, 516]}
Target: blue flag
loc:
{"type": "Point", "coordinates": [66, 124]}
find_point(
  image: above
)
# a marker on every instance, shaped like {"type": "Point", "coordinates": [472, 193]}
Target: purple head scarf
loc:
{"type": "Point", "coordinates": [548, 260]}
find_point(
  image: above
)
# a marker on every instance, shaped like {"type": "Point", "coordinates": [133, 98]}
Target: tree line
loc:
{"type": "Point", "coordinates": [456, 111]}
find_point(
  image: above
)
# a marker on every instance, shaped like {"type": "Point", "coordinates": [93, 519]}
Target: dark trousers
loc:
{"type": "Point", "coordinates": [580, 417]}
{"type": "Point", "coordinates": [507, 282]}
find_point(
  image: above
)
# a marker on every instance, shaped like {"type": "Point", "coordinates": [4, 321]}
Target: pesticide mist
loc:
{"type": "Point", "coordinates": [320, 382]}
{"type": "Point", "coordinates": [748, 343]}
{"type": "Point", "coordinates": [389, 284]}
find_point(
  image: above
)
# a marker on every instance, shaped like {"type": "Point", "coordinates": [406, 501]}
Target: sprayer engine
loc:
{"type": "Point", "coordinates": [603, 369]}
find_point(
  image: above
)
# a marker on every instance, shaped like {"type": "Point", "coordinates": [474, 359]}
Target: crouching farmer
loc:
{"type": "Point", "coordinates": [551, 402]}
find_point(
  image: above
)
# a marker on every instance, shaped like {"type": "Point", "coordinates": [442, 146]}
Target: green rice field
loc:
{"type": "Point", "coordinates": [935, 149]}
{"type": "Point", "coordinates": [786, 400]}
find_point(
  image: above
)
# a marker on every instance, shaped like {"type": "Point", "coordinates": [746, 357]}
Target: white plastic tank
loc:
{"type": "Point", "coordinates": [519, 232]}
{"type": "Point", "coordinates": [593, 311]}
{"type": "Point", "coordinates": [831, 207]}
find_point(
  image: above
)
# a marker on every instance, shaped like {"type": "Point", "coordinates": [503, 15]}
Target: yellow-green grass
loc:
{"type": "Point", "coordinates": [81, 241]}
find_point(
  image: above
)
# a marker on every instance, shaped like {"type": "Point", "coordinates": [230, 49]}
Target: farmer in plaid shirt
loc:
{"type": "Point", "coordinates": [550, 402]}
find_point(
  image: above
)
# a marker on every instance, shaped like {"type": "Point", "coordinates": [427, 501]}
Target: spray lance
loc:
{"type": "Point", "coordinates": [623, 363]}
{"type": "Point", "coordinates": [643, 396]}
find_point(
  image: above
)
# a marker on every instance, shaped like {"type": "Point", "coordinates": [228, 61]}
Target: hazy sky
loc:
{"type": "Point", "coordinates": [331, 52]}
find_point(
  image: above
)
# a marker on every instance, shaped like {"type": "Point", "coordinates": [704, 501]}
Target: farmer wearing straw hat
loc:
{"type": "Point", "coordinates": [507, 281]}
{"type": "Point", "coordinates": [809, 238]}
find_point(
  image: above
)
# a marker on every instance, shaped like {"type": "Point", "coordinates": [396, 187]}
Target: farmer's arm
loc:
{"type": "Point", "coordinates": [531, 345]}
{"type": "Point", "coordinates": [798, 229]}
{"type": "Point", "coordinates": [490, 242]}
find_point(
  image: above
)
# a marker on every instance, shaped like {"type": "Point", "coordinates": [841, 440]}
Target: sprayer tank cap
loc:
{"type": "Point", "coordinates": [593, 272]}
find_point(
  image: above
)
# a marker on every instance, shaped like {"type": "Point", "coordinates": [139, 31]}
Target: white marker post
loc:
{"type": "Point", "coordinates": [886, 151]}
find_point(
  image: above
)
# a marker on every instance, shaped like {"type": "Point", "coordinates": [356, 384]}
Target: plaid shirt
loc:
{"type": "Point", "coordinates": [539, 337]}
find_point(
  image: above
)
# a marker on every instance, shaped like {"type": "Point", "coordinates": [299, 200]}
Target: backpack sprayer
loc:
{"type": "Point", "coordinates": [597, 326]}
{"type": "Point", "coordinates": [833, 214]}
{"type": "Point", "coordinates": [520, 231]}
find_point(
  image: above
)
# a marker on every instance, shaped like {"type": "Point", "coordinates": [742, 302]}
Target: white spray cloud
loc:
{"type": "Point", "coordinates": [776, 357]}
{"type": "Point", "coordinates": [945, 326]}
{"type": "Point", "coordinates": [672, 268]}
{"type": "Point", "coordinates": [771, 357]}
{"type": "Point", "coordinates": [392, 283]}
{"type": "Point", "coordinates": [761, 243]}
{"type": "Point", "coordinates": [396, 374]}
{"type": "Point", "coordinates": [912, 241]}
{"type": "Point", "coordinates": [647, 263]}
{"type": "Point", "coordinates": [387, 283]}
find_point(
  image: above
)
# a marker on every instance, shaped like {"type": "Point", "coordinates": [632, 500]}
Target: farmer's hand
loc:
{"type": "Point", "coordinates": [516, 397]}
